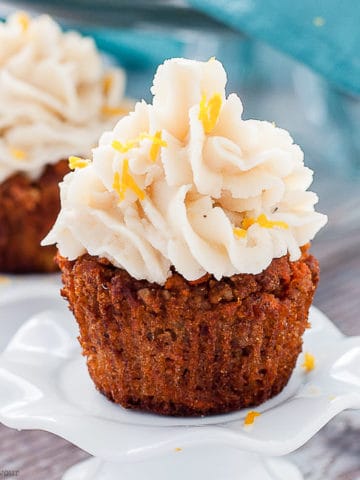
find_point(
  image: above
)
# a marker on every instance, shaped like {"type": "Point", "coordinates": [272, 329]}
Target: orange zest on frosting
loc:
{"type": "Point", "coordinates": [178, 449]}
{"type": "Point", "coordinates": [108, 81]}
{"type": "Point", "coordinates": [309, 362]}
{"type": "Point", "coordinates": [125, 181]}
{"type": "Point", "coordinates": [209, 111]}
{"type": "Point", "coordinates": [250, 417]}
{"type": "Point", "coordinates": [108, 110]}
{"type": "Point", "coordinates": [24, 20]}
{"type": "Point", "coordinates": [77, 162]}
{"type": "Point", "coordinates": [18, 153]}
{"type": "Point", "coordinates": [239, 232]}
{"type": "Point", "coordinates": [124, 147]}
{"type": "Point", "coordinates": [157, 143]}
{"type": "Point", "coordinates": [264, 222]}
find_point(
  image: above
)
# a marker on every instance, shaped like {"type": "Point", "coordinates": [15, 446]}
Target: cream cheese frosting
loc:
{"type": "Point", "coordinates": [55, 96]}
{"type": "Point", "coordinates": [185, 182]}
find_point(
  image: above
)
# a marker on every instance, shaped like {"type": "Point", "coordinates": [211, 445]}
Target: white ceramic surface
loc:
{"type": "Point", "coordinates": [44, 385]}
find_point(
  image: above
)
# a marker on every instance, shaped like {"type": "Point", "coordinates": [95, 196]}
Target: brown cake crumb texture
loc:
{"type": "Point", "coordinates": [190, 348]}
{"type": "Point", "coordinates": [28, 210]}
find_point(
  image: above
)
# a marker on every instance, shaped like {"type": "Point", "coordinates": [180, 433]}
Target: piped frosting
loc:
{"type": "Point", "coordinates": [56, 97]}
{"type": "Point", "coordinates": [186, 182]}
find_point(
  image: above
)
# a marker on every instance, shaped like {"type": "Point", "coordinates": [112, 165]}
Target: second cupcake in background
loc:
{"type": "Point", "coordinates": [56, 98]}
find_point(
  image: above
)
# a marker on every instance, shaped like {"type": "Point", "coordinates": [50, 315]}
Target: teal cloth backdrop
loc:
{"type": "Point", "coordinates": [323, 34]}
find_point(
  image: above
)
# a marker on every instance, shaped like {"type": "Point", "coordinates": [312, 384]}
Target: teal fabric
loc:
{"type": "Point", "coordinates": [323, 34]}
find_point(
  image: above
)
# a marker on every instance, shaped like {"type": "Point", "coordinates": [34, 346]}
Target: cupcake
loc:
{"type": "Point", "coordinates": [184, 250]}
{"type": "Point", "coordinates": [56, 98]}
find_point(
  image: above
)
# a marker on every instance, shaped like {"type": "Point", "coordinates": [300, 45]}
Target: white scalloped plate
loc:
{"type": "Point", "coordinates": [45, 385]}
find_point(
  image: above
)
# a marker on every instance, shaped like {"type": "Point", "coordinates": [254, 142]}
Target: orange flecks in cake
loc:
{"type": "Point", "coordinates": [309, 362]}
{"type": "Point", "coordinates": [78, 162]}
{"type": "Point", "coordinates": [209, 111]}
{"type": "Point", "coordinates": [125, 181]}
{"type": "Point", "coordinates": [109, 111]}
{"type": "Point", "coordinates": [18, 153]}
{"type": "Point", "coordinates": [24, 20]}
{"type": "Point", "coordinates": [264, 222]}
{"type": "Point", "coordinates": [157, 143]}
{"type": "Point", "coordinates": [250, 417]}
{"type": "Point", "coordinates": [239, 232]}
{"type": "Point", "coordinates": [108, 81]}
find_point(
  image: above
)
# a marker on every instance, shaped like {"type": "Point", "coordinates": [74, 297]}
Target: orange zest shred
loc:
{"type": "Point", "coordinates": [239, 232]}
{"type": "Point", "coordinates": [24, 20]}
{"type": "Point", "coordinates": [108, 110]}
{"type": "Point", "coordinates": [157, 143]}
{"type": "Point", "coordinates": [178, 449]}
{"type": "Point", "coordinates": [124, 147]}
{"type": "Point", "coordinates": [125, 181]}
{"type": "Point", "coordinates": [209, 111]}
{"type": "Point", "coordinates": [250, 417]}
{"type": "Point", "coordinates": [212, 59]}
{"type": "Point", "coordinates": [108, 81]}
{"type": "Point", "coordinates": [264, 222]}
{"type": "Point", "coordinates": [18, 153]}
{"type": "Point", "coordinates": [78, 162]}
{"type": "Point", "coordinates": [309, 362]}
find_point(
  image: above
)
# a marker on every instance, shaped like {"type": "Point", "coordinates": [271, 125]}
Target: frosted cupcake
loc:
{"type": "Point", "coordinates": [56, 98]}
{"type": "Point", "coordinates": [183, 246]}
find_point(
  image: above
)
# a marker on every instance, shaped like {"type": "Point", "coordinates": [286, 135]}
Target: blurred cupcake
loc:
{"type": "Point", "coordinates": [56, 97]}
{"type": "Point", "coordinates": [183, 246]}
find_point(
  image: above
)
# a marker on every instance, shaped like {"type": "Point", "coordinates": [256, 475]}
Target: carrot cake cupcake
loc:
{"type": "Point", "coordinates": [184, 250]}
{"type": "Point", "coordinates": [56, 98]}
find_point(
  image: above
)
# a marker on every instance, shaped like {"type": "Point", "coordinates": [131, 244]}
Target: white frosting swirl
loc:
{"type": "Point", "coordinates": [55, 95]}
{"type": "Point", "coordinates": [223, 196]}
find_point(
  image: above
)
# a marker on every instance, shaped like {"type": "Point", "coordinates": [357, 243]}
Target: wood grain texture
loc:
{"type": "Point", "coordinates": [334, 453]}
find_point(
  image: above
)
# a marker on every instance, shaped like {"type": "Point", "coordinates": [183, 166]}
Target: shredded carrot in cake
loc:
{"type": "Point", "coordinates": [264, 222]}
{"type": "Point", "coordinates": [18, 153]}
{"type": "Point", "coordinates": [108, 110]}
{"type": "Point", "coordinates": [24, 20]}
{"type": "Point", "coordinates": [209, 111]}
{"type": "Point", "coordinates": [239, 232]}
{"type": "Point", "coordinates": [125, 181]}
{"type": "Point", "coordinates": [78, 162]}
{"type": "Point", "coordinates": [309, 362]}
{"type": "Point", "coordinates": [250, 417]}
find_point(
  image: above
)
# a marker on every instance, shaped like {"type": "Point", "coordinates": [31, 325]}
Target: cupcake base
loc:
{"type": "Point", "coordinates": [190, 348]}
{"type": "Point", "coordinates": [28, 209]}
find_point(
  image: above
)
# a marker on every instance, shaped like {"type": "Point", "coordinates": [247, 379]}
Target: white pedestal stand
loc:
{"type": "Point", "coordinates": [44, 385]}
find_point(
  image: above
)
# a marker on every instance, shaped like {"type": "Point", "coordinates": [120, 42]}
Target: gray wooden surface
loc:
{"type": "Point", "coordinates": [334, 453]}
